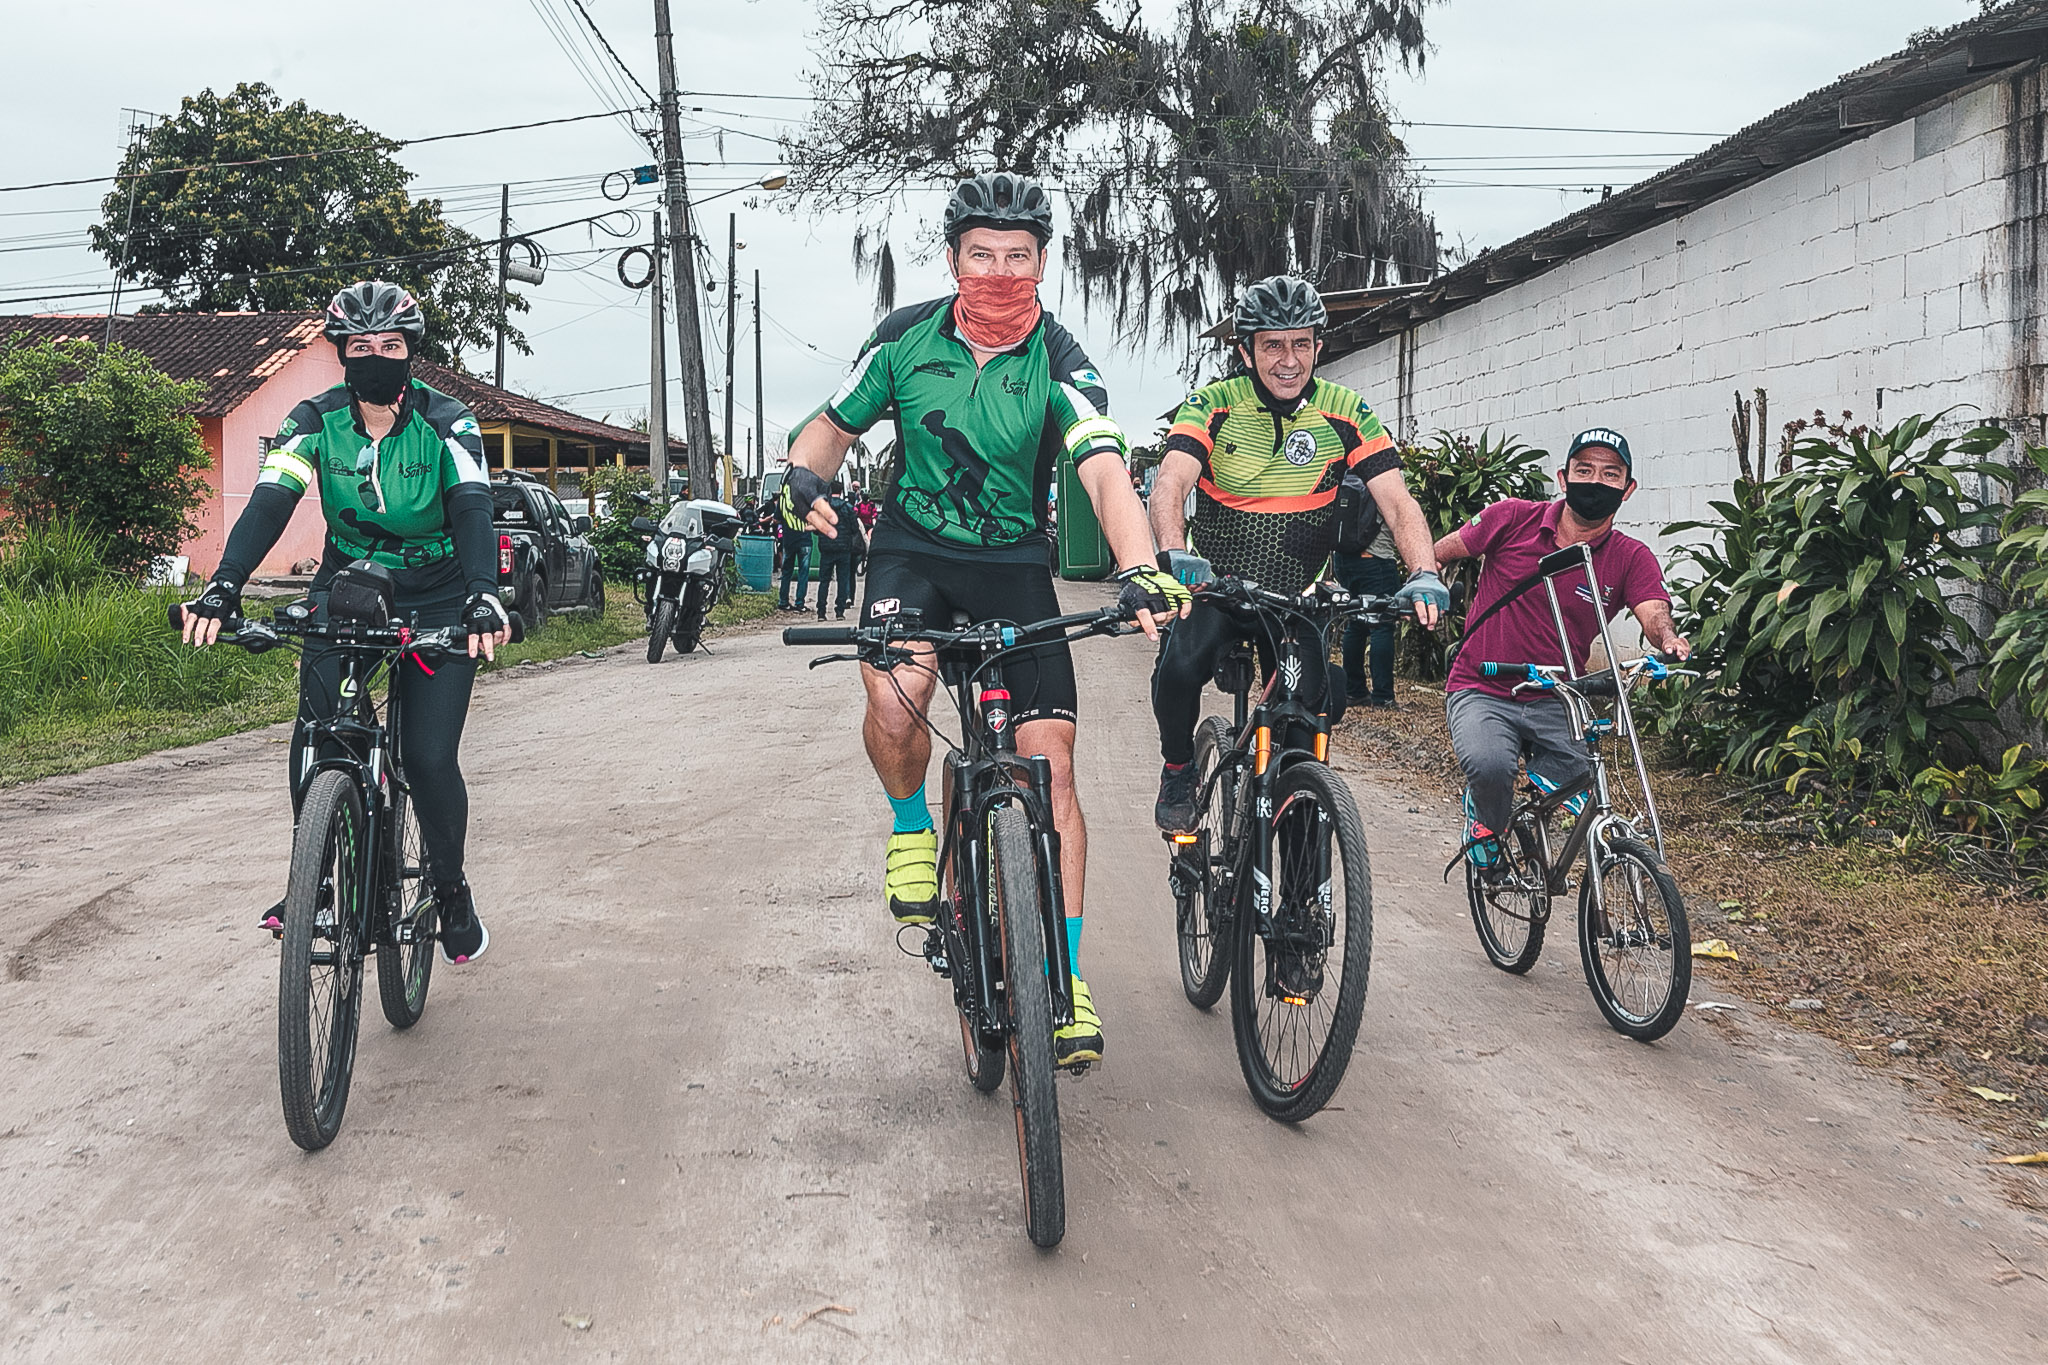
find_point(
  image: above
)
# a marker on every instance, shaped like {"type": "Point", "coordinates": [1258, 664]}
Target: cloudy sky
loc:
{"type": "Point", "coordinates": [1669, 76]}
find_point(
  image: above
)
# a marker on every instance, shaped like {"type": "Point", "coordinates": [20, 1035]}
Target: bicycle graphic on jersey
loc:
{"type": "Point", "coordinates": [963, 499]}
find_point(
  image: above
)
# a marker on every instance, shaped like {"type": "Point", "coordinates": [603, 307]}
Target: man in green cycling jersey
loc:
{"type": "Point", "coordinates": [1266, 452]}
{"type": "Point", "coordinates": [988, 392]}
{"type": "Point", "coordinates": [399, 472]}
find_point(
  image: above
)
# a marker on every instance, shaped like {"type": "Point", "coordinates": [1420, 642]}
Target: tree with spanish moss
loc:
{"type": "Point", "coordinates": [1196, 155]}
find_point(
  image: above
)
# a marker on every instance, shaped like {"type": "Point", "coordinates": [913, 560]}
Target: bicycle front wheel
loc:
{"type": "Point", "coordinates": [405, 959]}
{"type": "Point", "coordinates": [1636, 943]}
{"type": "Point", "coordinates": [1206, 914]}
{"type": "Point", "coordinates": [1013, 888]}
{"type": "Point", "coordinates": [320, 974]}
{"type": "Point", "coordinates": [1511, 910]}
{"type": "Point", "coordinates": [1298, 985]}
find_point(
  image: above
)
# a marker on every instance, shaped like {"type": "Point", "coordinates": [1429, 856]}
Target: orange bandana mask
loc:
{"type": "Point", "coordinates": [995, 312]}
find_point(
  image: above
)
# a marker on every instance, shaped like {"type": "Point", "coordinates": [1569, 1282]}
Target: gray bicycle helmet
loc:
{"type": "Point", "coordinates": [999, 200]}
{"type": "Point", "coordinates": [375, 306]}
{"type": "Point", "coordinates": [1280, 303]}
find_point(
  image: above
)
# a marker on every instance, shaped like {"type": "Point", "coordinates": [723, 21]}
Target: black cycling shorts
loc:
{"type": "Point", "coordinates": [1040, 679]}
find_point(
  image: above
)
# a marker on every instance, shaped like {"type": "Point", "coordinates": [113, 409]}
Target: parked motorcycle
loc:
{"type": "Point", "coordinates": [685, 573]}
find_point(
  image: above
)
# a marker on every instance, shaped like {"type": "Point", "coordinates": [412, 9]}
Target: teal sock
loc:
{"type": "Point", "coordinates": [911, 813]}
{"type": "Point", "coordinates": [1074, 944]}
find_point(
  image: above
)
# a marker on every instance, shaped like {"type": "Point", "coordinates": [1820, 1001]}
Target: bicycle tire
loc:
{"type": "Point", "coordinates": [690, 617]}
{"type": "Point", "coordinates": [1647, 1001]}
{"type": "Point", "coordinates": [404, 969]}
{"type": "Point", "coordinates": [1313, 810]}
{"type": "Point", "coordinates": [1512, 934]}
{"type": "Point", "coordinates": [659, 627]}
{"type": "Point", "coordinates": [1013, 887]}
{"type": "Point", "coordinates": [316, 1027]}
{"type": "Point", "coordinates": [985, 1065]}
{"type": "Point", "coordinates": [1204, 920]}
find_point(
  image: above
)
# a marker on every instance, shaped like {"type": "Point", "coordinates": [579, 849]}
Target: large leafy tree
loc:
{"type": "Point", "coordinates": [319, 202]}
{"type": "Point", "coordinates": [1194, 154]}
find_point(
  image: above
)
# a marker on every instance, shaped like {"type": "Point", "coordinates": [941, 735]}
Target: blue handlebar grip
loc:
{"type": "Point", "coordinates": [1490, 670]}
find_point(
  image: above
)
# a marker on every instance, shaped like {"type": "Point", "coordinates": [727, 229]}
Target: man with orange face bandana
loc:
{"type": "Point", "coordinates": [988, 393]}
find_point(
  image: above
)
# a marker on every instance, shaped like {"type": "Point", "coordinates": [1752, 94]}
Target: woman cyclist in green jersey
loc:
{"type": "Point", "coordinates": [400, 476]}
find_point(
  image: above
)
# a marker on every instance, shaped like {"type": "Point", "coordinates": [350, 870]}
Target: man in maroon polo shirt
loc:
{"type": "Point", "coordinates": [1492, 729]}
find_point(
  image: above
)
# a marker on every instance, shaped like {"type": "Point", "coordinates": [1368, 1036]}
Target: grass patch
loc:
{"type": "Point", "coordinates": [98, 676]}
{"type": "Point", "coordinates": [1897, 948]}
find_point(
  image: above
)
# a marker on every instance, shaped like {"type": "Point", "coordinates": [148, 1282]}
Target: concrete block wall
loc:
{"type": "Point", "coordinates": [1881, 266]}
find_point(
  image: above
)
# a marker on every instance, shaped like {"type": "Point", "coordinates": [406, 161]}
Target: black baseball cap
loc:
{"type": "Point", "coordinates": [1603, 436]}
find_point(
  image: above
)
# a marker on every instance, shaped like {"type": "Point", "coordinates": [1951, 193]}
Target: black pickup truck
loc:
{"type": "Point", "coordinates": [544, 561]}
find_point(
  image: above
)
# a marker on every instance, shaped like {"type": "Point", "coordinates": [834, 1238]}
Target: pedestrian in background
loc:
{"type": "Point", "coordinates": [1375, 572]}
{"type": "Point", "coordinates": [837, 554]}
{"type": "Point", "coordinates": [796, 564]}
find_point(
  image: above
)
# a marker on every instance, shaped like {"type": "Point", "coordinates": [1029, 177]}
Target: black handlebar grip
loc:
{"type": "Point", "coordinates": [1490, 670]}
{"type": "Point", "coordinates": [176, 612]}
{"type": "Point", "coordinates": [818, 635]}
{"type": "Point", "coordinates": [517, 625]}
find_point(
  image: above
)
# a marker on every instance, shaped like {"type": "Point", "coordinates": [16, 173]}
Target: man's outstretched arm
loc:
{"type": "Point", "coordinates": [1654, 616]}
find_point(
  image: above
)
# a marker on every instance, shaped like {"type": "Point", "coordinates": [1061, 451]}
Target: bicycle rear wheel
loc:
{"type": "Point", "coordinates": [320, 974]}
{"type": "Point", "coordinates": [1511, 912]}
{"type": "Point", "coordinates": [403, 968]}
{"type": "Point", "coordinates": [1298, 987]}
{"type": "Point", "coordinates": [1639, 959]}
{"type": "Point", "coordinates": [1013, 888]}
{"type": "Point", "coordinates": [1206, 915]}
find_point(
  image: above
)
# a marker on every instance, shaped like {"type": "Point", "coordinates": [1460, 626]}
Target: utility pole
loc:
{"type": "Point", "coordinates": [732, 302]}
{"type": "Point", "coordinates": [760, 420]}
{"type": "Point", "coordinates": [504, 260]}
{"type": "Point", "coordinates": [657, 379]}
{"type": "Point", "coordinates": [682, 244]}
{"type": "Point", "coordinates": [136, 127]}
{"type": "Point", "coordinates": [1315, 245]}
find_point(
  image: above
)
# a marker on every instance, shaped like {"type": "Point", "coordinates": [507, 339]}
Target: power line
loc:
{"type": "Point", "coordinates": [562, 31]}
{"type": "Point", "coordinates": [612, 51]}
{"type": "Point", "coordinates": [301, 156]}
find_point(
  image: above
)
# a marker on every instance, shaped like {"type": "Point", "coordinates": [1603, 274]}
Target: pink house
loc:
{"type": "Point", "coordinates": [256, 366]}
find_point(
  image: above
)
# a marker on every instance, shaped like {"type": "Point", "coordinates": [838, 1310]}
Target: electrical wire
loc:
{"type": "Point", "coordinates": [613, 53]}
{"type": "Point", "coordinates": [301, 156]}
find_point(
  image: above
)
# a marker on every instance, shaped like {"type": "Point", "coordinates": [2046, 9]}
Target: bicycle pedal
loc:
{"type": "Point", "coordinates": [405, 933]}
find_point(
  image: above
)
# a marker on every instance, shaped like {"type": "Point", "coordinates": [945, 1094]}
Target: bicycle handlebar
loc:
{"type": "Point", "coordinates": [257, 636]}
{"type": "Point", "coordinates": [1318, 596]}
{"type": "Point", "coordinates": [1104, 621]}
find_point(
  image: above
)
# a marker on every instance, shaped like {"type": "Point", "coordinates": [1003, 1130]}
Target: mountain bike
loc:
{"type": "Point", "coordinates": [1635, 942]}
{"type": "Point", "coordinates": [358, 875]}
{"type": "Point", "coordinates": [1000, 934]}
{"type": "Point", "coordinates": [1272, 888]}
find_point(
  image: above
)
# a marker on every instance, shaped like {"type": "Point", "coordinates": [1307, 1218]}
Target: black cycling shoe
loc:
{"type": "Point", "coordinates": [463, 936]}
{"type": "Point", "coordinates": [1174, 812]}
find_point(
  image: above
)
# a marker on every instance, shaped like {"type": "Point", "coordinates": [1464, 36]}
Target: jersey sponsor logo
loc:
{"type": "Point", "coordinates": [886, 606]}
{"type": "Point", "coordinates": [1087, 379]}
{"type": "Point", "coordinates": [1300, 447]}
{"type": "Point", "coordinates": [937, 367]}
{"type": "Point", "coordinates": [465, 426]}
{"type": "Point", "coordinates": [284, 433]}
{"type": "Point", "coordinates": [1015, 386]}
{"type": "Point", "coordinates": [1586, 593]}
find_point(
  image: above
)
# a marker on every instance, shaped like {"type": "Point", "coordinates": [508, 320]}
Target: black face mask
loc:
{"type": "Point", "coordinates": [377, 379]}
{"type": "Point", "coordinates": [1593, 502]}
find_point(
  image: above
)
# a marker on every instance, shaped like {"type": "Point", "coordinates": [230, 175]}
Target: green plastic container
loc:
{"type": "Point", "coordinates": [1084, 550]}
{"type": "Point", "coordinates": [756, 556]}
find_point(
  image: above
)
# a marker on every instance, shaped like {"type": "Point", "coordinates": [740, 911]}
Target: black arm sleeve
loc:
{"type": "Point", "coordinates": [256, 532]}
{"type": "Point", "coordinates": [468, 506]}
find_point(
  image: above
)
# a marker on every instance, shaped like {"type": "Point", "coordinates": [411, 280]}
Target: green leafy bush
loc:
{"type": "Point", "coordinates": [1991, 822]}
{"type": "Point", "coordinates": [620, 551]}
{"type": "Point", "coordinates": [1827, 606]}
{"type": "Point", "coordinates": [2019, 660]}
{"type": "Point", "coordinates": [62, 556]}
{"type": "Point", "coordinates": [104, 439]}
{"type": "Point", "coordinates": [1454, 478]}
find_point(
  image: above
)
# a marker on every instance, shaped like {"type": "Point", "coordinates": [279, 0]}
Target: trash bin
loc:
{"type": "Point", "coordinates": [1084, 550]}
{"type": "Point", "coordinates": [756, 556]}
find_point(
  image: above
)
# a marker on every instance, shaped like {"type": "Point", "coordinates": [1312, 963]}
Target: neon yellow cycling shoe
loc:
{"type": "Point", "coordinates": [910, 882]}
{"type": "Point", "coordinates": [1080, 1042]}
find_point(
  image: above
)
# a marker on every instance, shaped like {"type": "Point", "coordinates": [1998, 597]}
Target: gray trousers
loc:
{"type": "Point", "coordinates": [1492, 735]}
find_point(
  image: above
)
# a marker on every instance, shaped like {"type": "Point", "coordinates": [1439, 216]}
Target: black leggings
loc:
{"type": "Point", "coordinates": [1187, 662]}
{"type": "Point", "coordinates": [433, 708]}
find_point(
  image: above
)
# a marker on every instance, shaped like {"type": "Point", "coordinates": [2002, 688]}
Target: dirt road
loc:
{"type": "Point", "coordinates": [694, 1096]}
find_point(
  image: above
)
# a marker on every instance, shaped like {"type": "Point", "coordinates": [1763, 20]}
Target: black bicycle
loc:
{"type": "Point", "coordinates": [1000, 935]}
{"type": "Point", "coordinates": [358, 881]}
{"type": "Point", "coordinates": [1273, 885]}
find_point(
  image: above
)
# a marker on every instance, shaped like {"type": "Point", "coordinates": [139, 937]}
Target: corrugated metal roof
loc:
{"type": "Point", "coordinates": [1873, 97]}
